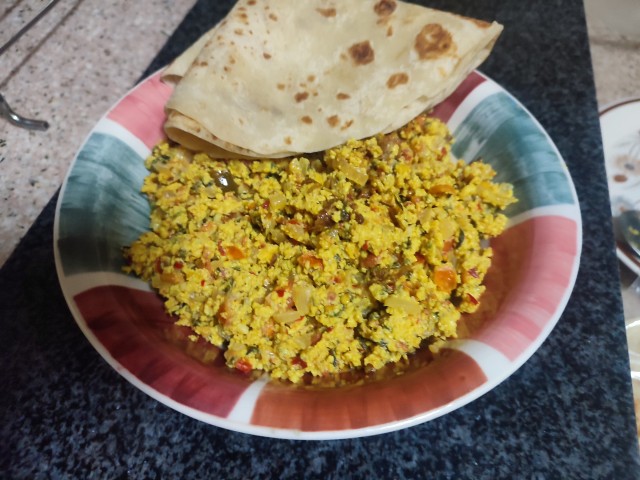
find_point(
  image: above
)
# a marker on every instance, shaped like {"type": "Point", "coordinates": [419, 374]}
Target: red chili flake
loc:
{"type": "Point", "coordinates": [178, 265]}
{"type": "Point", "coordinates": [202, 283]}
{"type": "Point", "coordinates": [472, 299]}
{"type": "Point", "coordinates": [243, 365]}
{"type": "Point", "coordinates": [158, 265]}
{"type": "Point", "coordinates": [280, 292]}
{"type": "Point", "coordinates": [365, 247]}
{"type": "Point", "coordinates": [266, 204]}
{"type": "Point", "coordinates": [420, 258]}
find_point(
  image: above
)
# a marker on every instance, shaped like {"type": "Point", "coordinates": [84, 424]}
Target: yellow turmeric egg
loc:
{"type": "Point", "coordinates": [342, 261]}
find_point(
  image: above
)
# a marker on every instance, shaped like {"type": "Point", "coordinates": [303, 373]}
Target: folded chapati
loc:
{"type": "Point", "coordinates": [281, 77]}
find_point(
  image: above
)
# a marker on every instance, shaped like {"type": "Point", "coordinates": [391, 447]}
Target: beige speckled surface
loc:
{"type": "Point", "coordinates": [85, 54]}
{"type": "Point", "coordinates": [70, 67]}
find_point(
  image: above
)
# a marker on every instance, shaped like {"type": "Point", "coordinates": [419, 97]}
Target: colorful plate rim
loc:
{"type": "Point", "coordinates": [495, 353]}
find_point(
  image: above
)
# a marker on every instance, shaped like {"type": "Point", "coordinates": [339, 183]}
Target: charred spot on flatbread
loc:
{"type": "Point", "coordinates": [333, 120]}
{"type": "Point", "coordinates": [397, 79]}
{"type": "Point", "coordinates": [307, 119]}
{"type": "Point", "coordinates": [301, 96]}
{"type": "Point", "coordinates": [433, 42]}
{"type": "Point", "coordinates": [384, 8]}
{"type": "Point", "coordinates": [362, 53]}
{"type": "Point", "coordinates": [342, 96]}
{"type": "Point", "coordinates": [327, 12]}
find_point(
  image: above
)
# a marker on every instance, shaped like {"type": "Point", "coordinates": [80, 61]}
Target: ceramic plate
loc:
{"type": "Point", "coordinates": [620, 125]}
{"type": "Point", "coordinates": [100, 210]}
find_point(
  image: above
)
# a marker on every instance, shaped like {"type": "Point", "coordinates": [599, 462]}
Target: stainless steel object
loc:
{"type": "Point", "coordinates": [15, 119]}
{"type": "Point", "coordinates": [5, 110]}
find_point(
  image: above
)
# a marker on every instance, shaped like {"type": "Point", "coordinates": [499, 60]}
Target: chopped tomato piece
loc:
{"type": "Point", "coordinates": [178, 265]}
{"type": "Point", "coordinates": [442, 189]}
{"type": "Point", "coordinates": [243, 365]}
{"type": "Point", "coordinates": [158, 265]}
{"type": "Point", "coordinates": [299, 362]}
{"type": "Point", "coordinates": [444, 276]}
{"type": "Point", "coordinates": [420, 258]}
{"type": "Point", "coordinates": [370, 261]}
{"type": "Point", "coordinates": [448, 246]}
{"type": "Point", "coordinates": [235, 253]}
{"type": "Point", "coordinates": [310, 261]}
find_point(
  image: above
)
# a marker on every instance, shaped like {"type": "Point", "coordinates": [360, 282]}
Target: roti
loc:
{"type": "Point", "coordinates": [280, 77]}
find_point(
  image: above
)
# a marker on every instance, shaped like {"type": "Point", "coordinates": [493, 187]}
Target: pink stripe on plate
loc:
{"type": "Point", "coordinates": [445, 109]}
{"type": "Point", "coordinates": [134, 328]}
{"type": "Point", "coordinates": [532, 269]}
{"type": "Point", "coordinates": [142, 110]}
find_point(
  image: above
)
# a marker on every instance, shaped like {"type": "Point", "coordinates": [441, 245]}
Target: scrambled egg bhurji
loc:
{"type": "Point", "coordinates": [325, 263]}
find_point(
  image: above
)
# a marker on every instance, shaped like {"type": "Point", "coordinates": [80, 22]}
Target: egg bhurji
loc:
{"type": "Point", "coordinates": [344, 260]}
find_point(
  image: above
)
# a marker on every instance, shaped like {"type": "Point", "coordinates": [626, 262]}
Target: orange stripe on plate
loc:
{"type": "Point", "coordinates": [452, 375]}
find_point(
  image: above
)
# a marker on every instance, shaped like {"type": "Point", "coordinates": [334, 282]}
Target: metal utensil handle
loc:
{"type": "Point", "coordinates": [14, 118]}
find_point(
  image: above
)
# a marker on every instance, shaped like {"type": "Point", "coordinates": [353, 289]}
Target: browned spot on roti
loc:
{"type": "Point", "coordinates": [311, 78]}
{"type": "Point", "coordinates": [251, 2]}
{"type": "Point", "coordinates": [201, 63]}
{"type": "Point", "coordinates": [433, 41]}
{"type": "Point", "coordinates": [273, 17]}
{"type": "Point", "coordinates": [384, 8]}
{"type": "Point", "coordinates": [281, 86]}
{"type": "Point", "coordinates": [238, 31]}
{"type": "Point", "coordinates": [307, 119]}
{"type": "Point", "coordinates": [397, 79]}
{"type": "Point", "coordinates": [389, 31]}
{"type": "Point", "coordinates": [342, 96]}
{"type": "Point", "coordinates": [327, 12]}
{"type": "Point", "coordinates": [346, 124]}
{"type": "Point", "coordinates": [232, 60]}
{"type": "Point", "coordinates": [266, 55]}
{"type": "Point", "coordinates": [301, 96]}
{"type": "Point", "coordinates": [480, 23]}
{"type": "Point", "coordinates": [287, 140]}
{"type": "Point", "coordinates": [362, 53]}
{"type": "Point", "coordinates": [333, 120]}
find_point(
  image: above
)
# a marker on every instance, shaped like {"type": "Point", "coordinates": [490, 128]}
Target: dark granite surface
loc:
{"type": "Point", "coordinates": [567, 413]}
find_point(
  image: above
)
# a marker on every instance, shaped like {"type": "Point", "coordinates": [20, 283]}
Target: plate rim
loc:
{"type": "Point", "coordinates": [293, 434]}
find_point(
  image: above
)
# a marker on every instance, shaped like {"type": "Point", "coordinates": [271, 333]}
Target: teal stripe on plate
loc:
{"type": "Point", "coordinates": [504, 134]}
{"type": "Point", "coordinates": [102, 208]}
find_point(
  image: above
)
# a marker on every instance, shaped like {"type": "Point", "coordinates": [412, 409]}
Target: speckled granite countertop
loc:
{"type": "Point", "coordinates": [567, 413]}
{"type": "Point", "coordinates": [68, 69]}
